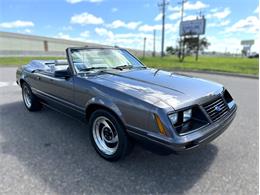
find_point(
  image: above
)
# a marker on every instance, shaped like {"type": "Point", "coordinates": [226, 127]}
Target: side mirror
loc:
{"type": "Point", "coordinates": [62, 73]}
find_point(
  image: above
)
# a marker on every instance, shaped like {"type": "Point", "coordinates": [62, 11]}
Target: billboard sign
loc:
{"type": "Point", "coordinates": [248, 42]}
{"type": "Point", "coordinates": [193, 27]}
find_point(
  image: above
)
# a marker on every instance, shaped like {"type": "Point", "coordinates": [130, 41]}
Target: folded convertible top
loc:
{"type": "Point", "coordinates": [45, 65]}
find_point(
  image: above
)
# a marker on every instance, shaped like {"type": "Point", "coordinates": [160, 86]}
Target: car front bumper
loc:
{"type": "Point", "coordinates": [187, 142]}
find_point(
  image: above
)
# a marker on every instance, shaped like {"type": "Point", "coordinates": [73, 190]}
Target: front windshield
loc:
{"type": "Point", "coordinates": [108, 58]}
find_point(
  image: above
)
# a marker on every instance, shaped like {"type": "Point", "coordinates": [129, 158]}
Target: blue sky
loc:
{"type": "Point", "coordinates": [127, 22]}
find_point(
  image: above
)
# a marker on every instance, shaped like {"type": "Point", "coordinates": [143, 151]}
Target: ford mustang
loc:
{"type": "Point", "coordinates": [124, 101]}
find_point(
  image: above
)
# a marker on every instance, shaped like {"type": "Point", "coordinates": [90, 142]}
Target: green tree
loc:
{"type": "Point", "coordinates": [170, 50]}
{"type": "Point", "coordinates": [194, 44]}
{"type": "Point", "coordinates": [204, 44]}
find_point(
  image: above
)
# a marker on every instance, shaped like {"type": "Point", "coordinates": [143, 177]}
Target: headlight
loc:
{"type": "Point", "coordinates": [174, 118]}
{"type": "Point", "coordinates": [187, 115]}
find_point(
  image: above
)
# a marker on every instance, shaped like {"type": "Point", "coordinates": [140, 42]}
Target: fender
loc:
{"type": "Point", "coordinates": [107, 103]}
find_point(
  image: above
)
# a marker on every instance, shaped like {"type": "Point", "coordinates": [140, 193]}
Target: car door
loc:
{"type": "Point", "coordinates": [58, 90]}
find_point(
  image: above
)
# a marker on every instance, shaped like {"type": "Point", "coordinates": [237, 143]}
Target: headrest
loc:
{"type": "Point", "coordinates": [61, 62]}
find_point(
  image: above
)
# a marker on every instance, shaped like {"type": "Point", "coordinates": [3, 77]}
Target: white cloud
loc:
{"type": "Point", "coordinates": [219, 14]}
{"type": "Point", "coordinates": [128, 40]}
{"type": "Point", "coordinates": [195, 6]}
{"type": "Point", "coordinates": [86, 18]}
{"type": "Point", "coordinates": [16, 24]}
{"type": "Point", "coordinates": [117, 24]}
{"type": "Point", "coordinates": [257, 10]}
{"type": "Point", "coordinates": [85, 34]}
{"type": "Point", "coordinates": [248, 25]}
{"type": "Point", "coordinates": [158, 17]}
{"type": "Point", "coordinates": [149, 28]}
{"type": "Point", "coordinates": [133, 25]}
{"type": "Point", "coordinates": [219, 24]}
{"type": "Point", "coordinates": [224, 23]}
{"type": "Point", "coordinates": [176, 8]}
{"type": "Point", "coordinates": [27, 30]}
{"type": "Point", "coordinates": [172, 27]}
{"type": "Point", "coordinates": [134, 35]}
{"type": "Point", "coordinates": [78, 1]}
{"type": "Point", "coordinates": [190, 6]}
{"type": "Point", "coordinates": [104, 32]}
{"type": "Point", "coordinates": [214, 10]}
{"type": "Point", "coordinates": [190, 17]}
{"type": "Point", "coordinates": [229, 44]}
{"type": "Point", "coordinates": [61, 35]}
{"type": "Point", "coordinates": [135, 39]}
{"type": "Point", "coordinates": [175, 16]}
{"type": "Point", "coordinates": [122, 24]}
{"type": "Point", "coordinates": [114, 9]}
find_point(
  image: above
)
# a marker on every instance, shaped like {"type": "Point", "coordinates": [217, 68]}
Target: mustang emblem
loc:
{"type": "Point", "coordinates": [218, 108]}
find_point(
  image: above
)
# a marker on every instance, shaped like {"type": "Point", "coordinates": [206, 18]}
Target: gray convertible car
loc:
{"type": "Point", "coordinates": [123, 101]}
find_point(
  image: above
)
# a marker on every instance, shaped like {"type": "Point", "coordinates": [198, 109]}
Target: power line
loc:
{"type": "Point", "coordinates": [163, 5]}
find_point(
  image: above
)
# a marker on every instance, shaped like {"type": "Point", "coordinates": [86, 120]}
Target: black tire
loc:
{"type": "Point", "coordinates": [124, 146]}
{"type": "Point", "coordinates": [34, 104]}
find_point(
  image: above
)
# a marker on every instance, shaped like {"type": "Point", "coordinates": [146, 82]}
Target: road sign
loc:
{"type": "Point", "coordinates": [193, 27]}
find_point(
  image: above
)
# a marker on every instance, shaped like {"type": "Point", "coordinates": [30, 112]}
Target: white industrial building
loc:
{"type": "Point", "coordinates": [15, 44]}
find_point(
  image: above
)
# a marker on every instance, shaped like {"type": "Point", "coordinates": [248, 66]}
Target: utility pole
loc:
{"type": "Point", "coordinates": [163, 5]}
{"type": "Point", "coordinates": [154, 35]}
{"type": "Point", "coordinates": [144, 47]}
{"type": "Point", "coordinates": [198, 37]}
{"type": "Point", "coordinates": [198, 48]}
{"type": "Point", "coordinates": [181, 50]}
{"type": "Point", "coordinates": [182, 8]}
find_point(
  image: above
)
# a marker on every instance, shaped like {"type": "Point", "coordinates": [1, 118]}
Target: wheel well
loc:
{"type": "Point", "coordinates": [22, 82]}
{"type": "Point", "coordinates": [93, 107]}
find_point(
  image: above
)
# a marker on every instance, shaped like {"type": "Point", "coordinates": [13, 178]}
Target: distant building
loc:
{"type": "Point", "coordinates": [15, 44]}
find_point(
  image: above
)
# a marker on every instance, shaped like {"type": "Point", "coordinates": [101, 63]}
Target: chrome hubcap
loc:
{"type": "Point", "coordinates": [27, 97]}
{"type": "Point", "coordinates": [105, 135]}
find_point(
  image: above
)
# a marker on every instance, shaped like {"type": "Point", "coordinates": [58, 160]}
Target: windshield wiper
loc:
{"type": "Point", "coordinates": [93, 68]}
{"type": "Point", "coordinates": [121, 67]}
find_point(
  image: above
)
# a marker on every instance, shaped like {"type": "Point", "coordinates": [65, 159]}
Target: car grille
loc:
{"type": "Point", "coordinates": [216, 109]}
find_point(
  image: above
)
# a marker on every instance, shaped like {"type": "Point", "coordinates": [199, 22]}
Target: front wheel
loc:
{"type": "Point", "coordinates": [108, 136]}
{"type": "Point", "coordinates": [31, 102]}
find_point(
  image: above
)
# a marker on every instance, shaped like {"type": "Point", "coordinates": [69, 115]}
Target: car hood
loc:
{"type": "Point", "coordinates": [157, 86]}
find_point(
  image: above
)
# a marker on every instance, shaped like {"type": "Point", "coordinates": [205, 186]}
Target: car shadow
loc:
{"type": "Point", "coordinates": [55, 148]}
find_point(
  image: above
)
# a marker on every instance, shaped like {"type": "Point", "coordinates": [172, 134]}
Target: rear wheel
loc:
{"type": "Point", "coordinates": [31, 102]}
{"type": "Point", "coordinates": [108, 136]}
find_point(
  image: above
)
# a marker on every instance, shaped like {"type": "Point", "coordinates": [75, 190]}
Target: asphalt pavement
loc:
{"type": "Point", "coordinates": [46, 152]}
